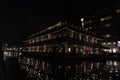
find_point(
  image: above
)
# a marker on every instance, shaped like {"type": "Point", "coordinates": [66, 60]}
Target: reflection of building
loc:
{"type": "Point", "coordinates": [55, 69]}
{"type": "Point", "coordinates": [65, 37]}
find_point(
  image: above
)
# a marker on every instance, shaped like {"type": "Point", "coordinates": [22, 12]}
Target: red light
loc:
{"type": "Point", "coordinates": [88, 49]}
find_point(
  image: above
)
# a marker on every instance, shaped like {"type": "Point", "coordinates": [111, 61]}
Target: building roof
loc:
{"type": "Point", "coordinates": [61, 25]}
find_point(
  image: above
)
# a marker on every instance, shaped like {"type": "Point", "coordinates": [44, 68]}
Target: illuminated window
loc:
{"type": "Point", "coordinates": [103, 43]}
{"type": "Point", "coordinates": [82, 25]}
{"type": "Point", "coordinates": [118, 11]}
{"type": "Point", "coordinates": [92, 40]}
{"type": "Point", "coordinates": [95, 40]}
{"type": "Point", "coordinates": [33, 41]}
{"type": "Point", "coordinates": [114, 50]}
{"type": "Point", "coordinates": [49, 36]}
{"type": "Point", "coordinates": [82, 19]}
{"type": "Point", "coordinates": [69, 49]}
{"type": "Point", "coordinates": [106, 36]}
{"type": "Point", "coordinates": [114, 43]}
{"type": "Point", "coordinates": [115, 63]}
{"type": "Point", "coordinates": [80, 36]}
{"type": "Point", "coordinates": [109, 43]}
{"type": "Point", "coordinates": [107, 25]}
{"type": "Point", "coordinates": [105, 18]}
{"type": "Point", "coordinates": [90, 27]}
{"type": "Point", "coordinates": [29, 41]}
{"type": "Point", "coordinates": [86, 38]}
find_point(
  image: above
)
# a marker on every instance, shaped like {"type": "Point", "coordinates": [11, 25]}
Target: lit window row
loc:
{"type": "Point", "coordinates": [111, 50]}
{"type": "Point", "coordinates": [105, 18]}
{"type": "Point", "coordinates": [106, 35]}
{"type": "Point", "coordinates": [107, 25]}
{"type": "Point", "coordinates": [67, 48]}
{"type": "Point", "coordinates": [65, 33]}
{"type": "Point", "coordinates": [113, 47]}
{"type": "Point", "coordinates": [57, 25]}
{"type": "Point", "coordinates": [109, 43]}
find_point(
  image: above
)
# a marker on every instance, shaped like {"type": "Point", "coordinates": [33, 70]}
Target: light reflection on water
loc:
{"type": "Point", "coordinates": [52, 69]}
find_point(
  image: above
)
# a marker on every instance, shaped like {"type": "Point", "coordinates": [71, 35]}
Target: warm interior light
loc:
{"type": "Point", "coordinates": [114, 50]}
{"type": "Point", "coordinates": [106, 36]}
{"type": "Point", "coordinates": [82, 19]}
{"type": "Point", "coordinates": [69, 49]}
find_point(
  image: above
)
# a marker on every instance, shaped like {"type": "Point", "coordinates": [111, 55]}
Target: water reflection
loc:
{"type": "Point", "coordinates": [50, 69]}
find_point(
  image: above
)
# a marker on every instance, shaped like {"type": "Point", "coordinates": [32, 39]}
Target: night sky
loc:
{"type": "Point", "coordinates": [23, 17]}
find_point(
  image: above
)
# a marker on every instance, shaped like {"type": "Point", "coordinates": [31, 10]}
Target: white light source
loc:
{"type": "Point", "coordinates": [20, 47]}
{"type": "Point", "coordinates": [5, 53]}
{"type": "Point", "coordinates": [105, 50]}
{"type": "Point", "coordinates": [114, 50]}
{"type": "Point", "coordinates": [82, 25]}
{"type": "Point", "coordinates": [69, 49]}
{"type": "Point", "coordinates": [114, 43]}
{"type": "Point", "coordinates": [20, 53]}
{"type": "Point", "coordinates": [115, 63]}
{"type": "Point", "coordinates": [110, 50]}
{"type": "Point", "coordinates": [109, 43]}
{"type": "Point", "coordinates": [82, 19]}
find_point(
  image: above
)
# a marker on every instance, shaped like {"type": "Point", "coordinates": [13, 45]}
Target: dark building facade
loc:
{"type": "Point", "coordinates": [108, 23]}
{"type": "Point", "coordinates": [65, 37]}
{"type": "Point", "coordinates": [90, 35]}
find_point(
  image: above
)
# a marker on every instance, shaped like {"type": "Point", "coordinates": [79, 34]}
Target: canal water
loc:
{"type": "Point", "coordinates": [39, 68]}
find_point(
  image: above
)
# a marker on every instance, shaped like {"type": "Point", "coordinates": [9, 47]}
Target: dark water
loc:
{"type": "Point", "coordinates": [27, 68]}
